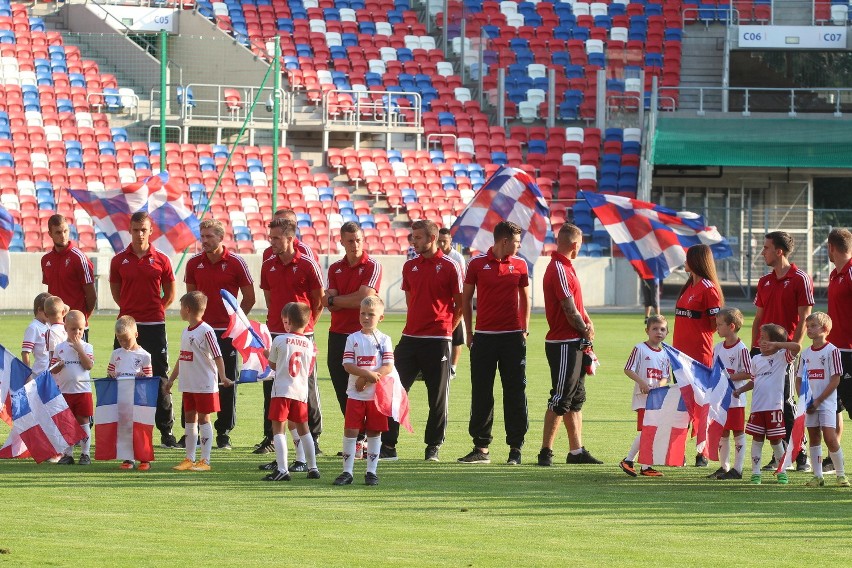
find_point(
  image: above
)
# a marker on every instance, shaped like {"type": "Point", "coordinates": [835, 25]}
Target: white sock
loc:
{"type": "Point", "coordinates": [297, 443]}
{"type": "Point", "coordinates": [69, 451]}
{"type": "Point", "coordinates": [725, 452]}
{"type": "Point", "coordinates": [739, 452]}
{"type": "Point", "coordinates": [206, 432]}
{"type": "Point", "coordinates": [191, 433]}
{"type": "Point", "coordinates": [308, 451]}
{"type": "Point", "coordinates": [348, 454]}
{"type": "Point", "coordinates": [280, 443]}
{"type": "Point", "coordinates": [778, 450]}
{"type": "Point", "coordinates": [86, 444]}
{"type": "Point", "coordinates": [837, 460]}
{"type": "Point", "coordinates": [816, 459]}
{"type": "Point", "coordinates": [756, 451]}
{"type": "Point", "coordinates": [634, 448]}
{"type": "Point", "coordinates": [373, 447]}
{"type": "Point", "coordinates": [453, 367]}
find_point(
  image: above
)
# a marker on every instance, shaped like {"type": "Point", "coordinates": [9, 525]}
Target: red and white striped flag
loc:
{"type": "Point", "coordinates": [392, 400]}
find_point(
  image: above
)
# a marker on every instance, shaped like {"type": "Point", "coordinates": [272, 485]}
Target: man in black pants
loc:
{"type": "Point", "coordinates": [214, 269]}
{"type": "Point", "coordinates": [501, 282]}
{"type": "Point", "coordinates": [432, 284]}
{"type": "Point", "coordinates": [350, 280]}
{"type": "Point", "coordinates": [142, 283]}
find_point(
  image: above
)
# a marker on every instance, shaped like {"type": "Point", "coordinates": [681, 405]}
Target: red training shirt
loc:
{"type": "Point", "coordinates": [65, 274]}
{"type": "Point", "coordinates": [430, 284]}
{"type": "Point", "coordinates": [840, 306]}
{"type": "Point", "coordinates": [291, 282]}
{"type": "Point", "coordinates": [141, 281]}
{"type": "Point", "coordinates": [781, 298]}
{"type": "Point", "coordinates": [695, 320]}
{"type": "Point", "coordinates": [346, 279]}
{"type": "Point", "coordinates": [498, 283]}
{"type": "Point", "coordinates": [229, 273]}
{"type": "Point", "coordinates": [560, 282]}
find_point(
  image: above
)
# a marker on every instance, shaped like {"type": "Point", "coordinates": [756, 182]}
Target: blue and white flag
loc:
{"type": "Point", "coordinates": [249, 338]}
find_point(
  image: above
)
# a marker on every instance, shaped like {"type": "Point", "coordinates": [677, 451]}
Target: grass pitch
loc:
{"type": "Point", "coordinates": [422, 513]}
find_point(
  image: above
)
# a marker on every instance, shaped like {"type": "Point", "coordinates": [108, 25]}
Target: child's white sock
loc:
{"type": "Point", "coordinates": [280, 443]}
{"type": "Point", "coordinates": [816, 459]}
{"type": "Point", "coordinates": [308, 450]}
{"type": "Point", "coordinates": [739, 452]}
{"type": "Point", "coordinates": [191, 441]}
{"type": "Point", "coordinates": [725, 452]}
{"type": "Point", "coordinates": [348, 454]}
{"type": "Point", "coordinates": [206, 431]}
{"type": "Point", "coordinates": [634, 448]}
{"type": "Point", "coordinates": [373, 447]}
{"type": "Point", "coordinates": [778, 450]}
{"type": "Point", "coordinates": [297, 443]}
{"type": "Point", "coordinates": [756, 451]}
{"type": "Point", "coordinates": [86, 444]}
{"type": "Point", "coordinates": [837, 460]}
{"type": "Point", "coordinates": [69, 451]}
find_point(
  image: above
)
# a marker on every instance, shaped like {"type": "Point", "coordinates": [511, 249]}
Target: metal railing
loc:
{"type": "Point", "coordinates": [747, 100]}
{"type": "Point", "coordinates": [211, 102]}
{"type": "Point", "coordinates": [367, 109]}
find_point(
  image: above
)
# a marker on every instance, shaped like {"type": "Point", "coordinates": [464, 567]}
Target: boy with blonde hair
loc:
{"type": "Point", "coordinates": [33, 350]}
{"type": "Point", "coordinates": [54, 311]}
{"type": "Point", "coordinates": [821, 362]}
{"type": "Point", "coordinates": [129, 360]}
{"type": "Point", "coordinates": [72, 360]}
{"type": "Point", "coordinates": [201, 370]}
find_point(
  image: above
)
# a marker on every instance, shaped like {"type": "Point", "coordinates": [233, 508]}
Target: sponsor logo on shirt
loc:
{"type": "Point", "coordinates": [48, 263]}
{"type": "Point", "coordinates": [654, 374]}
{"type": "Point", "coordinates": [365, 360]}
{"type": "Point", "coordinates": [487, 267]}
{"type": "Point", "coordinates": [201, 265]}
{"type": "Point", "coordinates": [816, 374]}
{"type": "Point", "coordinates": [186, 356]}
{"type": "Point", "coordinates": [338, 271]}
{"type": "Point", "coordinates": [414, 269]}
{"type": "Point", "coordinates": [125, 261]}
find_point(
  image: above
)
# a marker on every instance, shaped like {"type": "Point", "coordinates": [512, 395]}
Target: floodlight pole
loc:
{"type": "Point", "coordinates": [276, 120]}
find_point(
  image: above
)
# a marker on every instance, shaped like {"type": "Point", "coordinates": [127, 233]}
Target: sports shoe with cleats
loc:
{"type": "Point", "coordinates": [782, 478]}
{"type": "Point", "coordinates": [313, 474]}
{"type": "Point", "coordinates": [66, 460]}
{"type": "Point", "coordinates": [127, 464]}
{"type": "Point", "coordinates": [201, 465]}
{"type": "Point", "coordinates": [545, 457]}
{"type": "Point", "coordinates": [842, 481]}
{"type": "Point", "coordinates": [755, 479]}
{"type": "Point", "coordinates": [514, 457]}
{"type": "Point", "coordinates": [271, 466]}
{"type": "Point", "coordinates": [386, 453]}
{"type": "Point", "coordinates": [476, 456]}
{"type": "Point", "coordinates": [371, 478]}
{"type": "Point", "coordinates": [827, 466]}
{"type": "Point", "coordinates": [732, 474]}
{"type": "Point", "coordinates": [700, 461]}
{"type": "Point", "coordinates": [298, 466]}
{"type": "Point", "coordinates": [84, 460]}
{"type": "Point", "coordinates": [815, 482]}
{"type": "Point", "coordinates": [223, 442]}
{"type": "Point", "coordinates": [718, 474]}
{"type": "Point", "coordinates": [344, 478]}
{"type": "Point", "coordinates": [185, 465]}
{"type": "Point", "coordinates": [803, 463]}
{"type": "Point", "coordinates": [584, 457]}
{"type": "Point", "coordinates": [264, 447]}
{"type": "Point", "coordinates": [168, 441]}
{"type": "Point", "coordinates": [627, 467]}
{"type": "Point", "coordinates": [771, 466]}
{"type": "Point", "coordinates": [277, 476]}
{"type": "Point", "coordinates": [651, 472]}
{"type": "Point", "coordinates": [431, 453]}
{"type": "Point", "coordinates": [144, 466]}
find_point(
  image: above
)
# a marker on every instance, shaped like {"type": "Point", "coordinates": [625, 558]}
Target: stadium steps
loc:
{"type": "Point", "coordinates": [701, 66]}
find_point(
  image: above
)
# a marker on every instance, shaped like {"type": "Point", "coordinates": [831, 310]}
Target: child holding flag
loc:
{"type": "Point", "coordinates": [821, 362]}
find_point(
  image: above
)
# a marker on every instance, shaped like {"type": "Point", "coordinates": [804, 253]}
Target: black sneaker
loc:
{"type": "Point", "coordinates": [718, 474]}
{"type": "Point", "coordinates": [84, 460]}
{"type": "Point", "coordinates": [827, 465]}
{"type": "Point", "coordinates": [344, 478]}
{"type": "Point", "coordinates": [732, 474]}
{"type": "Point", "coordinates": [701, 461]}
{"type": "Point", "coordinates": [277, 476]}
{"type": "Point", "coordinates": [771, 466]}
{"type": "Point", "coordinates": [386, 453]}
{"type": "Point", "coordinates": [271, 466]}
{"type": "Point", "coordinates": [432, 453]}
{"type": "Point", "coordinates": [583, 457]}
{"type": "Point", "coordinates": [168, 441]}
{"type": "Point", "coordinates": [371, 478]}
{"type": "Point", "coordinates": [514, 457]}
{"type": "Point", "coordinates": [66, 460]}
{"type": "Point", "coordinates": [545, 457]}
{"type": "Point", "coordinates": [802, 463]}
{"type": "Point", "coordinates": [299, 466]}
{"type": "Point", "coordinates": [182, 442]}
{"type": "Point", "coordinates": [313, 474]}
{"type": "Point", "coordinates": [265, 447]}
{"type": "Point", "coordinates": [317, 450]}
{"type": "Point", "coordinates": [476, 456]}
{"type": "Point", "coordinates": [223, 442]}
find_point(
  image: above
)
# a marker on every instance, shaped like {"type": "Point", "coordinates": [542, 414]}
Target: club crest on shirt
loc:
{"type": "Point", "coordinates": [295, 268]}
{"type": "Point", "coordinates": [67, 262]}
{"type": "Point", "coordinates": [137, 362]}
{"type": "Point", "coordinates": [361, 271]}
{"type": "Point", "coordinates": [690, 298]}
{"type": "Point", "coordinates": [511, 268]}
{"type": "Point", "coordinates": [437, 268]}
{"type": "Point", "coordinates": [731, 360]}
{"type": "Point", "coordinates": [151, 261]}
{"type": "Point", "coordinates": [822, 360]}
{"type": "Point", "coordinates": [786, 282]}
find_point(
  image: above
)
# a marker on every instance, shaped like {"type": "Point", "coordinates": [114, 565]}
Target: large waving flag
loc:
{"type": "Point", "coordinates": [653, 238]}
{"type": "Point", "coordinates": [7, 230]}
{"type": "Point", "coordinates": [508, 195]}
{"type": "Point", "coordinates": [665, 428]}
{"type": "Point", "coordinates": [124, 418]}
{"type": "Point", "coordinates": [806, 399]}
{"type": "Point", "coordinates": [43, 423]}
{"type": "Point", "coordinates": [707, 394]}
{"type": "Point", "coordinates": [392, 400]}
{"type": "Point", "coordinates": [249, 338]}
{"type": "Point", "coordinates": [13, 375]}
{"type": "Point", "coordinates": [174, 226]}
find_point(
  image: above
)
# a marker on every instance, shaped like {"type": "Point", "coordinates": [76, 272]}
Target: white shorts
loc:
{"type": "Point", "coordinates": [824, 417]}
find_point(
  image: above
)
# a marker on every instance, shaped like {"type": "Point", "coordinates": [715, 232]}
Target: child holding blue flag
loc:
{"type": "Point", "coordinates": [821, 364]}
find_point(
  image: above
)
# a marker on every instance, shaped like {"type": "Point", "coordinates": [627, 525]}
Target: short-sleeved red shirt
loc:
{"type": "Point", "coordinates": [430, 284]}
{"type": "Point", "coordinates": [560, 282]}
{"type": "Point", "coordinates": [65, 274]}
{"type": "Point", "coordinates": [291, 282]}
{"type": "Point", "coordinates": [346, 279]}
{"type": "Point", "coordinates": [781, 298]}
{"type": "Point", "coordinates": [230, 273]}
{"type": "Point", "coordinates": [141, 281]}
{"type": "Point", "coordinates": [695, 320]}
{"type": "Point", "coordinates": [498, 285]}
{"type": "Point", "coordinates": [840, 306]}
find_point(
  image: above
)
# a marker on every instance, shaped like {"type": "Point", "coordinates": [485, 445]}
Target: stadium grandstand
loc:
{"type": "Point", "coordinates": [394, 110]}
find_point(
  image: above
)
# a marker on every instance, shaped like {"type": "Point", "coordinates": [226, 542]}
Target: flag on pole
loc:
{"type": "Point", "coordinates": [124, 418]}
{"type": "Point", "coordinates": [173, 224]}
{"type": "Point", "coordinates": [42, 421]}
{"type": "Point", "coordinates": [13, 375]}
{"type": "Point", "coordinates": [806, 399]}
{"type": "Point", "coordinates": [7, 231]}
{"type": "Point", "coordinates": [249, 338]}
{"type": "Point", "coordinates": [665, 428]}
{"type": "Point", "coordinates": [392, 400]}
{"type": "Point", "coordinates": [653, 238]}
{"type": "Point", "coordinates": [508, 195]}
